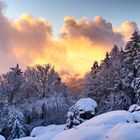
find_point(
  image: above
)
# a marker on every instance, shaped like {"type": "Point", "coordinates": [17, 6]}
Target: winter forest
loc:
{"type": "Point", "coordinates": [38, 97]}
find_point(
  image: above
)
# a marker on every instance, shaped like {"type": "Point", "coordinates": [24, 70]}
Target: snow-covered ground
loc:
{"type": "Point", "coordinates": [2, 138]}
{"type": "Point", "coordinates": [124, 132]}
{"type": "Point", "coordinates": [45, 133]}
{"type": "Point", "coordinates": [115, 125]}
{"type": "Point", "coordinates": [102, 127]}
{"type": "Point", "coordinates": [50, 129]}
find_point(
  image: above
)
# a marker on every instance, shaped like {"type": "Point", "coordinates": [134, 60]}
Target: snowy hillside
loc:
{"type": "Point", "coordinates": [115, 125]}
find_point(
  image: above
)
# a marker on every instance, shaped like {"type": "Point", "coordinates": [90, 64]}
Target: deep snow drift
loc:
{"type": "Point", "coordinates": [115, 125]}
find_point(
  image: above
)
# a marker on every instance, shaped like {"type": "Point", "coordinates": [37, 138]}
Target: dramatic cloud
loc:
{"type": "Point", "coordinates": [97, 30]}
{"type": "Point", "coordinates": [29, 41]}
{"type": "Point", "coordinates": [29, 37]}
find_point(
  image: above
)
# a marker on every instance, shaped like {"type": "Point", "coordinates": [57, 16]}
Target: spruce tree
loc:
{"type": "Point", "coordinates": [131, 67]}
{"type": "Point", "coordinates": [106, 78]}
{"type": "Point", "coordinates": [131, 60]}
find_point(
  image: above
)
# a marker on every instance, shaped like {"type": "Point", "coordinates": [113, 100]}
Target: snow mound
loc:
{"type": "Point", "coordinates": [101, 127]}
{"type": "Point", "coordinates": [86, 105]}
{"type": "Point", "coordinates": [82, 110]}
{"type": "Point", "coordinates": [84, 133]}
{"type": "Point", "coordinates": [112, 118]}
{"type": "Point", "coordinates": [2, 138]}
{"type": "Point", "coordinates": [45, 133]}
{"type": "Point", "coordinates": [50, 129]}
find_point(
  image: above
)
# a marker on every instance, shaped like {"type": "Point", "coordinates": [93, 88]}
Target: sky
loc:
{"type": "Point", "coordinates": [70, 35]}
{"type": "Point", "coordinates": [115, 11]}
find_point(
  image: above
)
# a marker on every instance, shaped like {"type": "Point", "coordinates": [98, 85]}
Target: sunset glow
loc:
{"type": "Point", "coordinates": [69, 69]}
{"type": "Point", "coordinates": [73, 53]}
{"type": "Point", "coordinates": [30, 41]}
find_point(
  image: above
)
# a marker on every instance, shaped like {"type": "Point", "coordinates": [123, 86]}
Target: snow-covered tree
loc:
{"type": "Point", "coordinates": [38, 92]}
{"type": "Point", "coordinates": [130, 67]}
{"type": "Point", "coordinates": [105, 76]}
{"type": "Point", "coordinates": [80, 111]}
{"type": "Point", "coordinates": [12, 83]}
{"type": "Point", "coordinates": [14, 124]}
{"type": "Point", "coordinates": [37, 78]}
{"type": "Point", "coordinates": [136, 87]}
{"type": "Point", "coordinates": [131, 60]}
{"type": "Point", "coordinates": [104, 83]}
{"type": "Point", "coordinates": [43, 111]}
{"type": "Point", "coordinates": [116, 99]}
{"type": "Point", "coordinates": [44, 80]}
{"type": "Point", "coordinates": [95, 66]}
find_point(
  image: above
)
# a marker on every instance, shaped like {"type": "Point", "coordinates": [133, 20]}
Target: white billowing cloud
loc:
{"type": "Point", "coordinates": [98, 30]}
{"type": "Point", "coordinates": [127, 28]}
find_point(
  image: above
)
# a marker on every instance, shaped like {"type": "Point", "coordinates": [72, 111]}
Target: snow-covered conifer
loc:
{"type": "Point", "coordinates": [14, 124]}
{"type": "Point", "coordinates": [80, 111]}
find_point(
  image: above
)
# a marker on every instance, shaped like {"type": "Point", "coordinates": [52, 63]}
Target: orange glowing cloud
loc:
{"type": "Point", "coordinates": [29, 41]}
{"type": "Point", "coordinates": [32, 43]}
{"type": "Point", "coordinates": [98, 31]}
